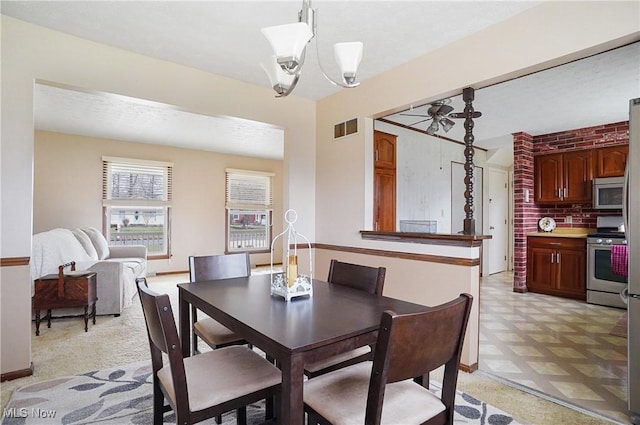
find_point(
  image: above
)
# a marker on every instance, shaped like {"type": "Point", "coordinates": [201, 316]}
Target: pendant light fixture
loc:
{"type": "Point", "coordinates": [289, 43]}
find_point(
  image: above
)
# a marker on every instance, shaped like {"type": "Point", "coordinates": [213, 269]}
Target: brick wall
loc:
{"type": "Point", "coordinates": [527, 214]}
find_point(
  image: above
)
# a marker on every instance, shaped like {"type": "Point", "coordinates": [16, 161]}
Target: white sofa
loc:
{"type": "Point", "coordinates": [117, 267]}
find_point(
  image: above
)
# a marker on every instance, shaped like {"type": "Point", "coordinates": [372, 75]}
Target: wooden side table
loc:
{"type": "Point", "coordinates": [77, 289]}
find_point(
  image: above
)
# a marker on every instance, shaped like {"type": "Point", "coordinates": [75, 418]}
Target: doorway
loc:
{"type": "Point", "coordinates": [498, 215]}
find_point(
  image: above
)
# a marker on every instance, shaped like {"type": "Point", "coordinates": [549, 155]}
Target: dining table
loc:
{"type": "Point", "coordinates": [333, 320]}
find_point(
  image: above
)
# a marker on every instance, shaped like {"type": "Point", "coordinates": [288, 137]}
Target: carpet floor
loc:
{"type": "Point", "coordinates": [124, 395]}
{"type": "Point", "coordinates": [66, 350]}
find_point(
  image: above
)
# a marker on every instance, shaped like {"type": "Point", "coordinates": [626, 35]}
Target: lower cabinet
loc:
{"type": "Point", "coordinates": [557, 266]}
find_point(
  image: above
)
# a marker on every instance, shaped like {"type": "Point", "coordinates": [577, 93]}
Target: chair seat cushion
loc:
{"type": "Point", "coordinates": [331, 361]}
{"type": "Point", "coordinates": [341, 398]}
{"type": "Point", "coordinates": [221, 375]}
{"type": "Point", "coordinates": [214, 333]}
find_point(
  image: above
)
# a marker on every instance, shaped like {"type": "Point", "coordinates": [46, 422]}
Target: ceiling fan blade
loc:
{"type": "Point", "coordinates": [418, 122]}
{"type": "Point", "coordinates": [433, 110]}
{"type": "Point", "coordinates": [414, 115]}
{"type": "Point", "coordinates": [439, 110]}
{"type": "Point", "coordinates": [476, 114]}
{"type": "Point", "coordinates": [445, 109]}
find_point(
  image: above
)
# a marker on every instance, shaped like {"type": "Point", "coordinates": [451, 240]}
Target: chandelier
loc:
{"type": "Point", "coordinates": [289, 43]}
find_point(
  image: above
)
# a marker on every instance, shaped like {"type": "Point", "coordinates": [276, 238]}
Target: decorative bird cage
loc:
{"type": "Point", "coordinates": [289, 282]}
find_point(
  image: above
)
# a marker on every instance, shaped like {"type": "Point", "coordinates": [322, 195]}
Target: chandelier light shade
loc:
{"type": "Point", "coordinates": [280, 80]}
{"type": "Point", "coordinates": [433, 128]}
{"type": "Point", "coordinates": [348, 57]}
{"type": "Point", "coordinates": [289, 43]}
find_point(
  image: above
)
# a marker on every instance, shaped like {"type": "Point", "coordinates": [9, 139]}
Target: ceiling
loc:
{"type": "Point", "coordinates": [589, 92]}
{"type": "Point", "coordinates": [223, 37]}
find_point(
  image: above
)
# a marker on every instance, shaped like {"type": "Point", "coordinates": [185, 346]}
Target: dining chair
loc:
{"type": "Point", "coordinates": [393, 388]}
{"type": "Point", "coordinates": [365, 278]}
{"type": "Point", "coordinates": [214, 267]}
{"type": "Point", "coordinates": [203, 386]}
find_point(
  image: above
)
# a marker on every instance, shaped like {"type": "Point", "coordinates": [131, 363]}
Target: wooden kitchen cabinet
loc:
{"type": "Point", "coordinates": [563, 178]}
{"type": "Point", "coordinates": [557, 266]}
{"type": "Point", "coordinates": [548, 177]}
{"type": "Point", "coordinates": [384, 182]}
{"type": "Point", "coordinates": [611, 161]}
{"type": "Point", "coordinates": [384, 150]}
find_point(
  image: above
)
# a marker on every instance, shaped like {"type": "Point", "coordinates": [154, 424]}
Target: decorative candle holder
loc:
{"type": "Point", "coordinates": [290, 283]}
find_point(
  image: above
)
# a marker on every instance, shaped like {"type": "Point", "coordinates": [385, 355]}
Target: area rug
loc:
{"type": "Point", "coordinates": [620, 328]}
{"type": "Point", "coordinates": [123, 395]}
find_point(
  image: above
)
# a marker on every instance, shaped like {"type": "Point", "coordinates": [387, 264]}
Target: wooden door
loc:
{"type": "Point", "coordinates": [498, 216]}
{"type": "Point", "coordinates": [578, 174]}
{"type": "Point", "coordinates": [384, 182]}
{"type": "Point", "coordinates": [548, 178]}
{"type": "Point", "coordinates": [611, 161]}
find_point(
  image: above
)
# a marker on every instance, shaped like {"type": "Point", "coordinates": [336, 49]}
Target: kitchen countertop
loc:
{"type": "Point", "coordinates": [565, 232]}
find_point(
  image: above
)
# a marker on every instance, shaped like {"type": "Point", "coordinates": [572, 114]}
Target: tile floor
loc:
{"type": "Point", "coordinates": [554, 347]}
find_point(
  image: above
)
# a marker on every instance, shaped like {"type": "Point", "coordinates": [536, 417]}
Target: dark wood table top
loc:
{"type": "Point", "coordinates": [333, 313]}
{"type": "Point", "coordinates": [336, 319]}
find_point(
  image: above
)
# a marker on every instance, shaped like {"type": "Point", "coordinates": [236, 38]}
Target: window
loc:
{"type": "Point", "coordinates": [136, 197]}
{"type": "Point", "coordinates": [248, 204]}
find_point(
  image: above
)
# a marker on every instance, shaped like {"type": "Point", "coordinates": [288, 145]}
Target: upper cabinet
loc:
{"type": "Point", "coordinates": [384, 182]}
{"type": "Point", "coordinates": [611, 161]}
{"type": "Point", "coordinates": [563, 177]}
{"type": "Point", "coordinates": [384, 150]}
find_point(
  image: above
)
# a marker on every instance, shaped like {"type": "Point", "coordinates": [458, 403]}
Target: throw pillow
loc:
{"type": "Point", "coordinates": [99, 242]}
{"type": "Point", "coordinates": [86, 243]}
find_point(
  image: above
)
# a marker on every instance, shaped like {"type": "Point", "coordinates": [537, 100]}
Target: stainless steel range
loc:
{"type": "Point", "coordinates": [603, 286]}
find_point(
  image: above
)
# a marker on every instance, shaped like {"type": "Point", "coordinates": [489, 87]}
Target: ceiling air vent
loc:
{"type": "Point", "coordinates": [345, 128]}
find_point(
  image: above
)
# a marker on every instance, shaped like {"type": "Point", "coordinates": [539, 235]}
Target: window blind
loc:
{"type": "Point", "coordinates": [140, 182]}
{"type": "Point", "coordinates": [248, 189]}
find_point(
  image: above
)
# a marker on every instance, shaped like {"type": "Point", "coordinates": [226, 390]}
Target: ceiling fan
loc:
{"type": "Point", "coordinates": [440, 114]}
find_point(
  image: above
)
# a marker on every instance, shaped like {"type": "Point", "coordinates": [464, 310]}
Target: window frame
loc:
{"type": "Point", "coordinates": [126, 203]}
{"type": "Point", "coordinates": [252, 204]}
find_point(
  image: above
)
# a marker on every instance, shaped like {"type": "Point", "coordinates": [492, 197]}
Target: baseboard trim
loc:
{"type": "Point", "coordinates": [172, 272]}
{"type": "Point", "coordinates": [22, 373]}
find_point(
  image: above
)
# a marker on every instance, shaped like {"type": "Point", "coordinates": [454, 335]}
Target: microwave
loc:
{"type": "Point", "coordinates": [608, 193]}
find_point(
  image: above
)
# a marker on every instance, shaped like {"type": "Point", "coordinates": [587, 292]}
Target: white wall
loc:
{"type": "Point", "coordinates": [546, 35]}
{"type": "Point", "coordinates": [30, 52]}
{"type": "Point", "coordinates": [423, 175]}
{"type": "Point", "coordinates": [68, 174]}
{"type": "Point", "coordinates": [513, 48]}
{"type": "Point", "coordinates": [328, 188]}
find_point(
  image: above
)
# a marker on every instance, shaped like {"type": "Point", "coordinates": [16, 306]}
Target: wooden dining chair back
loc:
{"type": "Point", "coordinates": [408, 348]}
{"type": "Point", "coordinates": [203, 386]}
{"type": "Point", "coordinates": [215, 267]}
{"type": "Point", "coordinates": [366, 278]}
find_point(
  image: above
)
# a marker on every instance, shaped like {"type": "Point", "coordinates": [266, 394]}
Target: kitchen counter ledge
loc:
{"type": "Point", "coordinates": [565, 232]}
{"type": "Point", "coordinates": [426, 238]}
